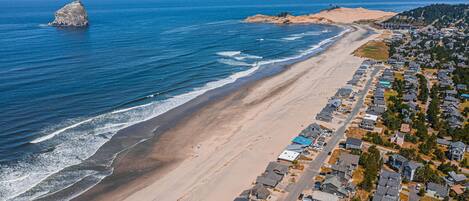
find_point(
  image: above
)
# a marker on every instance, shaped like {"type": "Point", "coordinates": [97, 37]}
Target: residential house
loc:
{"type": "Point", "coordinates": [353, 143]}
{"type": "Point", "coordinates": [389, 186]}
{"type": "Point", "coordinates": [345, 166]}
{"type": "Point", "coordinates": [369, 122]}
{"type": "Point", "coordinates": [405, 128]}
{"type": "Point", "coordinates": [333, 185]}
{"type": "Point", "coordinates": [397, 161]}
{"type": "Point", "coordinates": [457, 150]}
{"type": "Point", "coordinates": [321, 196]}
{"type": "Point", "coordinates": [302, 141]}
{"type": "Point", "coordinates": [273, 174]}
{"type": "Point", "coordinates": [409, 169]}
{"type": "Point", "coordinates": [398, 138]}
{"type": "Point", "coordinates": [437, 191]}
{"type": "Point", "coordinates": [454, 178]}
{"type": "Point", "coordinates": [289, 156]}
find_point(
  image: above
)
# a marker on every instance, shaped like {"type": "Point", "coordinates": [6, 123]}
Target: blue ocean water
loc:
{"type": "Point", "coordinates": [66, 92]}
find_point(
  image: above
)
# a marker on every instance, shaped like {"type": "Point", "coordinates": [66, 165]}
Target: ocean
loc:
{"type": "Point", "coordinates": [66, 92]}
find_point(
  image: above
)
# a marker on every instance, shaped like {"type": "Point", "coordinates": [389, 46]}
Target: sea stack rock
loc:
{"type": "Point", "coordinates": [71, 15]}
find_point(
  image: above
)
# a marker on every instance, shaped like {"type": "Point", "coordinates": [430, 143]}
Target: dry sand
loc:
{"type": "Point", "coordinates": [334, 16]}
{"type": "Point", "coordinates": [227, 144]}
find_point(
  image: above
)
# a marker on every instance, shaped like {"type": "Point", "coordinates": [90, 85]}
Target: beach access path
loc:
{"type": "Point", "coordinates": [219, 151]}
{"type": "Point", "coordinates": [307, 178]}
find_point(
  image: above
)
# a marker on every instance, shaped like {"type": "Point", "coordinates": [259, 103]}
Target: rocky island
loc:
{"type": "Point", "coordinates": [71, 15]}
{"type": "Point", "coordinates": [331, 16]}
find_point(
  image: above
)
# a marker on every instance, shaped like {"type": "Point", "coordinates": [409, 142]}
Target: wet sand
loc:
{"type": "Point", "coordinates": [219, 149]}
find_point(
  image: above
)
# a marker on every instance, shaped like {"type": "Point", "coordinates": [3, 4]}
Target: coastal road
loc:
{"type": "Point", "coordinates": [306, 179]}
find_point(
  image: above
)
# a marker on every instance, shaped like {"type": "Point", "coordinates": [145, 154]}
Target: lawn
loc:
{"type": "Point", "coordinates": [399, 76]}
{"type": "Point", "coordinates": [463, 105]}
{"type": "Point", "coordinates": [358, 175]}
{"type": "Point", "coordinates": [377, 50]}
{"type": "Point", "coordinates": [334, 156]}
{"type": "Point", "coordinates": [389, 93]}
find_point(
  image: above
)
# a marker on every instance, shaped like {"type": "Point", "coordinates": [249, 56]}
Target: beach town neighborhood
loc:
{"type": "Point", "coordinates": [398, 130]}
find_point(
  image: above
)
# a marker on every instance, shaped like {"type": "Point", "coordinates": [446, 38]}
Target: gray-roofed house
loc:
{"type": "Point", "coordinates": [273, 174]}
{"type": "Point", "coordinates": [397, 161]}
{"type": "Point", "coordinates": [409, 169]}
{"type": "Point", "coordinates": [345, 166]}
{"type": "Point", "coordinates": [443, 142]}
{"type": "Point", "coordinates": [344, 92]}
{"type": "Point", "coordinates": [454, 178]}
{"type": "Point", "coordinates": [457, 150]}
{"type": "Point", "coordinates": [436, 190]}
{"type": "Point", "coordinates": [260, 192]}
{"type": "Point", "coordinates": [389, 186]}
{"type": "Point", "coordinates": [333, 185]}
{"type": "Point", "coordinates": [367, 124]}
{"type": "Point", "coordinates": [353, 143]}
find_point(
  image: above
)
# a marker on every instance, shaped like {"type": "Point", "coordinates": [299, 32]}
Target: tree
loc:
{"type": "Point", "coordinates": [372, 162]}
{"type": "Point", "coordinates": [447, 167]}
{"type": "Point", "coordinates": [423, 90]}
{"type": "Point", "coordinates": [427, 174]}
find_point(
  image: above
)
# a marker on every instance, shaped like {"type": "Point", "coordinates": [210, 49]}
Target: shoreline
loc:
{"type": "Point", "coordinates": [130, 165]}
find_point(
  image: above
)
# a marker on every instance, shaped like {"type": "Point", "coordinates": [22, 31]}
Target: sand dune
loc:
{"type": "Point", "coordinates": [337, 16]}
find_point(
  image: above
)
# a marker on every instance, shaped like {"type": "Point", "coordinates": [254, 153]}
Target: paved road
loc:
{"type": "Point", "coordinates": [306, 179]}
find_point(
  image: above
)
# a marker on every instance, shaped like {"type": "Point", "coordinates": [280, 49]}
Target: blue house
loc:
{"type": "Point", "coordinates": [465, 96]}
{"type": "Point", "coordinates": [302, 140]}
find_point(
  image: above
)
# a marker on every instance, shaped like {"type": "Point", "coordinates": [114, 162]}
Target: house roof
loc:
{"type": "Point", "coordinates": [370, 117]}
{"type": "Point", "coordinates": [405, 128]}
{"type": "Point", "coordinates": [438, 189]}
{"type": "Point", "coordinates": [457, 177]}
{"type": "Point", "coordinates": [353, 141]}
{"type": "Point", "coordinates": [414, 165]}
{"type": "Point", "coordinates": [458, 144]}
{"type": "Point", "coordinates": [288, 155]}
{"type": "Point", "coordinates": [302, 140]}
{"type": "Point", "coordinates": [323, 196]}
{"type": "Point", "coordinates": [260, 192]}
{"type": "Point", "coordinates": [442, 141]}
{"type": "Point", "coordinates": [277, 168]}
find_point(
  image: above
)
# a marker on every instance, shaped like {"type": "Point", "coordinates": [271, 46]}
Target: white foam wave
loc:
{"type": "Point", "coordinates": [232, 62]}
{"type": "Point", "coordinates": [292, 38]}
{"type": "Point", "coordinates": [238, 55]}
{"type": "Point", "coordinates": [83, 137]}
{"type": "Point", "coordinates": [229, 53]}
{"type": "Point", "coordinates": [83, 140]}
{"type": "Point", "coordinates": [302, 35]}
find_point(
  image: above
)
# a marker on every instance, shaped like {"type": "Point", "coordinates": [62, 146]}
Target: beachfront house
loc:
{"type": "Point", "coordinates": [302, 141]}
{"type": "Point", "coordinates": [288, 156]}
{"type": "Point", "coordinates": [436, 190]}
{"type": "Point", "coordinates": [389, 186]}
{"type": "Point", "coordinates": [273, 174]}
{"type": "Point", "coordinates": [457, 150]}
{"type": "Point", "coordinates": [353, 143]}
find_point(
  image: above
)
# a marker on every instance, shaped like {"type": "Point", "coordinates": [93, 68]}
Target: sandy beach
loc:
{"type": "Point", "coordinates": [220, 150]}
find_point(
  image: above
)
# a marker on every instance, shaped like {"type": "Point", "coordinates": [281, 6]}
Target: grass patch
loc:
{"type": "Point", "coordinates": [389, 93]}
{"type": "Point", "coordinates": [463, 105]}
{"type": "Point", "coordinates": [377, 50]}
{"type": "Point", "coordinates": [334, 156]}
{"type": "Point", "coordinates": [399, 76]}
{"type": "Point", "coordinates": [358, 175]}
{"type": "Point", "coordinates": [426, 198]}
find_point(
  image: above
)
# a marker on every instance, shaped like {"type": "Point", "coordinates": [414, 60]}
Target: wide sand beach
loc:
{"type": "Point", "coordinates": [219, 150]}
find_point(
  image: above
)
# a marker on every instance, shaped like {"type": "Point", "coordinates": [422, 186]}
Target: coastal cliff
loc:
{"type": "Point", "coordinates": [71, 15]}
{"type": "Point", "coordinates": [332, 16]}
